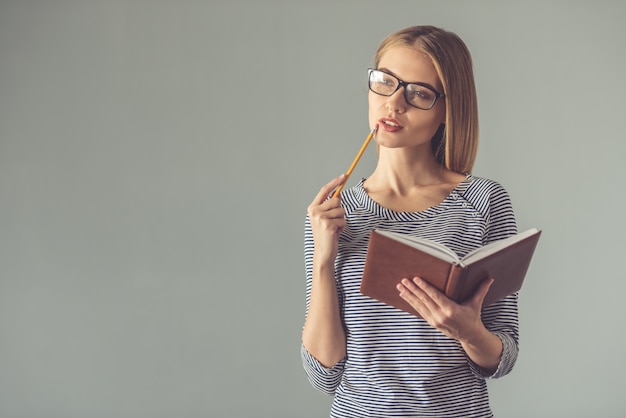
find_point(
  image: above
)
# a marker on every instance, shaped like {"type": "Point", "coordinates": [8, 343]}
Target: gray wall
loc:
{"type": "Point", "coordinates": [157, 158]}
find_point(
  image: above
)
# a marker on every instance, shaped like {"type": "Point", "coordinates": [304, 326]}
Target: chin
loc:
{"type": "Point", "coordinates": [399, 141]}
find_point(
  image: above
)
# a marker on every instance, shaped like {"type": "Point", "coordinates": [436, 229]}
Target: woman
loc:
{"type": "Point", "coordinates": [379, 361]}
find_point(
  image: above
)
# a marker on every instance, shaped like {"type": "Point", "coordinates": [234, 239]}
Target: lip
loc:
{"type": "Point", "coordinates": [383, 123]}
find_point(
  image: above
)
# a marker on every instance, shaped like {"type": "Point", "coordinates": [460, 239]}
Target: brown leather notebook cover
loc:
{"type": "Point", "coordinates": [390, 260]}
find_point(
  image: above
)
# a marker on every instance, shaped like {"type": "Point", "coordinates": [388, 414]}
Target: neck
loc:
{"type": "Point", "coordinates": [400, 170]}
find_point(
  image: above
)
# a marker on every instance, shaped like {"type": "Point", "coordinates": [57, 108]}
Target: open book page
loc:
{"type": "Point", "coordinates": [430, 247]}
{"type": "Point", "coordinates": [494, 247]}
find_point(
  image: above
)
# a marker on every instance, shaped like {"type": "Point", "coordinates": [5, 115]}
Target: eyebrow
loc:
{"type": "Point", "coordinates": [419, 83]}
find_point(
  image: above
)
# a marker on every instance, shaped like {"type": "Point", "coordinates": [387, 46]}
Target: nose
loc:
{"type": "Point", "coordinates": [396, 102]}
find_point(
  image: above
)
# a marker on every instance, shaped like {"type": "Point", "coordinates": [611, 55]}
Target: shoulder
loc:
{"type": "Point", "coordinates": [354, 198]}
{"type": "Point", "coordinates": [480, 188]}
{"type": "Point", "coordinates": [492, 200]}
{"type": "Point", "coordinates": [487, 196]}
{"type": "Point", "coordinates": [483, 183]}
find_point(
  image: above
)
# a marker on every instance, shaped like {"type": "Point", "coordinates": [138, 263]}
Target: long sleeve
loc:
{"type": "Point", "coordinates": [501, 317]}
{"type": "Point", "coordinates": [325, 379]}
{"type": "Point", "coordinates": [396, 364]}
{"type": "Point", "coordinates": [322, 378]}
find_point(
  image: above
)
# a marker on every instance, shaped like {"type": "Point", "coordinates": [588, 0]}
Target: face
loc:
{"type": "Point", "coordinates": [401, 125]}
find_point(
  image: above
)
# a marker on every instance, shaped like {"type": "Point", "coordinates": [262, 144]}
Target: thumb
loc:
{"type": "Point", "coordinates": [479, 297]}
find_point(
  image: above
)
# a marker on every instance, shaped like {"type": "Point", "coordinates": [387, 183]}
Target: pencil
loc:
{"type": "Point", "coordinates": [356, 160]}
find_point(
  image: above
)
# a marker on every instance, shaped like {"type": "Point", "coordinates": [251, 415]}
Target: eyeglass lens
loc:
{"type": "Point", "coordinates": [416, 95]}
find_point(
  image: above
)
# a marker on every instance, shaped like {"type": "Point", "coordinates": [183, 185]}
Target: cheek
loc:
{"type": "Point", "coordinates": [431, 125]}
{"type": "Point", "coordinates": [423, 126]}
{"type": "Point", "coordinates": [432, 119]}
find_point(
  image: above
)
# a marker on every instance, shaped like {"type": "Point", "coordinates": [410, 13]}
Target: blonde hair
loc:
{"type": "Point", "coordinates": [455, 145]}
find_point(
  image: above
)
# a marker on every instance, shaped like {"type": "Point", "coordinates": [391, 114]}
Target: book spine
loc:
{"type": "Point", "coordinates": [453, 283]}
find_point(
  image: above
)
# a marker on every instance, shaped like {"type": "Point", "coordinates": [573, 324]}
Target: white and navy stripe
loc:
{"type": "Point", "coordinates": [397, 365]}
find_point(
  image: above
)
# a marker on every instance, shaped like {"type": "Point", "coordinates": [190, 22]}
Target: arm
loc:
{"type": "Point", "coordinates": [489, 336]}
{"type": "Point", "coordinates": [502, 317]}
{"type": "Point", "coordinates": [323, 334]}
{"type": "Point", "coordinates": [462, 322]}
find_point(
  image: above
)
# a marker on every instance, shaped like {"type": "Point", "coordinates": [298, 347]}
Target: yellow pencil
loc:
{"type": "Point", "coordinates": [356, 160]}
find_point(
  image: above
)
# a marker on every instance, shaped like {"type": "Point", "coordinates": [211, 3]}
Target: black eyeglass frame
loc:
{"type": "Point", "coordinates": [402, 83]}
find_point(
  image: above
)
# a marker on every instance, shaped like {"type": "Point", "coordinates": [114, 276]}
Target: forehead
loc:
{"type": "Point", "coordinates": [410, 64]}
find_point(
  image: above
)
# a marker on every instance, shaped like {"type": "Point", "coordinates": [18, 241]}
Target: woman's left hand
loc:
{"type": "Point", "coordinates": [458, 321]}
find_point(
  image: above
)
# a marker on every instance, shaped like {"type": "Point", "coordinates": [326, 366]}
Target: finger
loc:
{"type": "Point", "coordinates": [329, 210]}
{"type": "Point", "coordinates": [336, 213]}
{"type": "Point", "coordinates": [326, 189]}
{"type": "Point", "coordinates": [433, 299]}
{"type": "Point", "coordinates": [333, 220]}
{"type": "Point", "coordinates": [414, 296]}
{"type": "Point", "coordinates": [430, 292]}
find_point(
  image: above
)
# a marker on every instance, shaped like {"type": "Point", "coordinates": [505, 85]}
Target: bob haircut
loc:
{"type": "Point", "coordinates": [455, 144]}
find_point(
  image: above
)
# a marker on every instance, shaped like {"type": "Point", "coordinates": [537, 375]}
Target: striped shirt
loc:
{"type": "Point", "coordinates": [397, 365]}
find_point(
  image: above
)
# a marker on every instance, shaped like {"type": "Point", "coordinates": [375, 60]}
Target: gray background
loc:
{"type": "Point", "coordinates": [157, 158]}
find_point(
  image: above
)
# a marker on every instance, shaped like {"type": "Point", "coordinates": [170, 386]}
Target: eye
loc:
{"type": "Point", "coordinates": [388, 81]}
{"type": "Point", "coordinates": [415, 92]}
{"type": "Point", "coordinates": [382, 83]}
{"type": "Point", "coordinates": [382, 79]}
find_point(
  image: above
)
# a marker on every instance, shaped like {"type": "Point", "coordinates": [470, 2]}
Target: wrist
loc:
{"type": "Point", "coordinates": [324, 268]}
{"type": "Point", "coordinates": [476, 336]}
{"type": "Point", "coordinates": [484, 348]}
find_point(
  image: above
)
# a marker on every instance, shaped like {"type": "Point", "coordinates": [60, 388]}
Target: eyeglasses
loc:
{"type": "Point", "coordinates": [419, 95]}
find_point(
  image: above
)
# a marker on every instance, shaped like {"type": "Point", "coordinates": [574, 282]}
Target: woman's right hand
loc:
{"type": "Point", "coordinates": [327, 218]}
